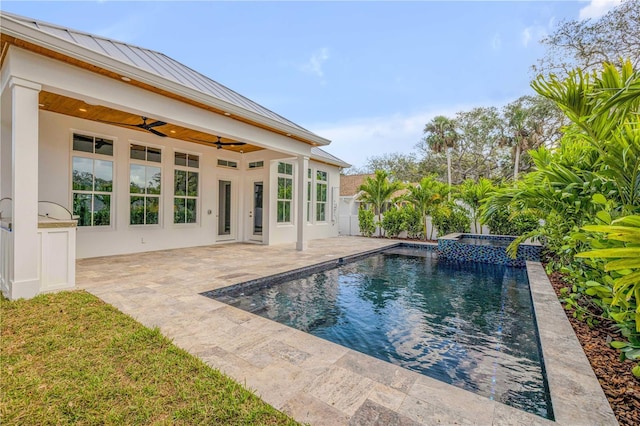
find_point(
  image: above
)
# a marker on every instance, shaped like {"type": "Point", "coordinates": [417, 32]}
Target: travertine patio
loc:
{"type": "Point", "coordinates": [313, 380]}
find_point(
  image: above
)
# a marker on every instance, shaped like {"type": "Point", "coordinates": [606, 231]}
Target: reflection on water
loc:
{"type": "Point", "coordinates": [470, 325]}
{"type": "Point", "coordinates": [495, 242]}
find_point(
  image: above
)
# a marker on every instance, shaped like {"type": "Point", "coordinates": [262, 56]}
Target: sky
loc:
{"type": "Point", "coordinates": [368, 75]}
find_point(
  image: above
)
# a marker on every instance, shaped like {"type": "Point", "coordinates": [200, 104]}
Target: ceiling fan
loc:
{"type": "Point", "coordinates": [144, 126]}
{"type": "Point", "coordinates": [219, 144]}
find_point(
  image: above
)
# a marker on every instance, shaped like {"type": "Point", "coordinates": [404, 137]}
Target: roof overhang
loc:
{"type": "Point", "coordinates": [17, 33]}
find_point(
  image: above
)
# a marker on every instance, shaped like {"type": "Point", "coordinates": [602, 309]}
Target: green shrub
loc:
{"type": "Point", "coordinates": [365, 220]}
{"type": "Point", "coordinates": [413, 222]}
{"type": "Point", "coordinates": [452, 218]}
{"type": "Point", "coordinates": [505, 222]}
{"type": "Point", "coordinates": [393, 222]}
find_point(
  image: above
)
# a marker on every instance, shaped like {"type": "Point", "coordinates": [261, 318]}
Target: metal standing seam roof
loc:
{"type": "Point", "coordinates": [323, 155]}
{"type": "Point", "coordinates": [153, 62]}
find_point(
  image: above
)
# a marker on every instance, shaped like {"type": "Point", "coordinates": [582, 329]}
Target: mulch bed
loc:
{"type": "Point", "coordinates": [619, 385]}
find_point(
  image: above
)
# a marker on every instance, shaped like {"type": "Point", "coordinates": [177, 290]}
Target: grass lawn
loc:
{"type": "Point", "coordinates": [70, 358]}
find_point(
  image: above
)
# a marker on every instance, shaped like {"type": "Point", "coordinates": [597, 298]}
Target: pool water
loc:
{"type": "Point", "coordinates": [467, 324]}
{"type": "Point", "coordinates": [485, 241]}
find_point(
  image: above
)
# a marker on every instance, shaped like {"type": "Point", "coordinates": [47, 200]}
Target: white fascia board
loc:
{"type": "Point", "coordinates": [40, 38]}
{"type": "Point", "coordinates": [324, 160]}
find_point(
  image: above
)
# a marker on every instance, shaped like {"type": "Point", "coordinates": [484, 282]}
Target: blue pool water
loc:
{"type": "Point", "coordinates": [467, 324]}
{"type": "Point", "coordinates": [503, 242]}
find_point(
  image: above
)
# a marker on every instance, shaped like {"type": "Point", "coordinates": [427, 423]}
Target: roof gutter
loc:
{"type": "Point", "coordinates": [23, 32]}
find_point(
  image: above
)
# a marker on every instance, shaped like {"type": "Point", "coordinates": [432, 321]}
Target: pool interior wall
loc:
{"type": "Point", "coordinates": [456, 356]}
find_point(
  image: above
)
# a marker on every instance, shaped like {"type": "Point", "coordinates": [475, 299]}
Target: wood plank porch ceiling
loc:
{"type": "Point", "coordinates": [77, 108]}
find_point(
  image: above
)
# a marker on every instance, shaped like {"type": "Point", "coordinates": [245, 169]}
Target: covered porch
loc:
{"type": "Point", "coordinates": [146, 153]}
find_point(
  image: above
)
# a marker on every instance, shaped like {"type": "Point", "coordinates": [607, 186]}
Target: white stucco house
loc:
{"type": "Point", "coordinates": [108, 148]}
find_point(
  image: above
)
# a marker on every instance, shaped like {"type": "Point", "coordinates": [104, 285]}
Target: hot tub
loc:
{"type": "Point", "coordinates": [486, 249]}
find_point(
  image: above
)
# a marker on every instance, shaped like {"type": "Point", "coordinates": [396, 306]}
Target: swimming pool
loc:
{"type": "Point", "coordinates": [467, 324]}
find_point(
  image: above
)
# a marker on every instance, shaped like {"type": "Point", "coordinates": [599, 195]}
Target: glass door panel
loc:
{"type": "Point", "coordinates": [224, 207]}
{"type": "Point", "coordinates": [257, 207]}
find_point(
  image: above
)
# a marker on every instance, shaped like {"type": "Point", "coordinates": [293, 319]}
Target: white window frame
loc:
{"type": "Point", "coordinates": [279, 200]}
{"type": "Point", "coordinates": [188, 169]}
{"type": "Point", "coordinates": [256, 167]}
{"type": "Point", "coordinates": [318, 202]}
{"type": "Point", "coordinates": [146, 163]}
{"type": "Point", "coordinates": [309, 195]}
{"type": "Point", "coordinates": [93, 156]}
{"type": "Point", "coordinates": [227, 166]}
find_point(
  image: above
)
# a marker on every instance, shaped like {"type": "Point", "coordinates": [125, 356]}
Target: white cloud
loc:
{"type": "Point", "coordinates": [526, 36]}
{"type": "Point", "coordinates": [355, 140]}
{"type": "Point", "coordinates": [598, 8]}
{"type": "Point", "coordinates": [534, 33]}
{"type": "Point", "coordinates": [314, 65]}
{"type": "Point", "coordinates": [496, 42]}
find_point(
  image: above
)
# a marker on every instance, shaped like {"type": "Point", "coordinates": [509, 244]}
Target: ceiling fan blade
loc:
{"type": "Point", "coordinates": [156, 124]}
{"type": "Point", "coordinates": [218, 143]}
{"type": "Point", "coordinates": [230, 143]}
{"type": "Point", "coordinates": [155, 132]}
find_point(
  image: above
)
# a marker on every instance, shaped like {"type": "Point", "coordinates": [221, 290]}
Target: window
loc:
{"type": "Point", "coordinates": [227, 163]}
{"type": "Point", "coordinates": [185, 188]}
{"type": "Point", "coordinates": [92, 180]}
{"type": "Point", "coordinates": [256, 165]}
{"type": "Point", "coordinates": [309, 186]}
{"type": "Point", "coordinates": [145, 178]}
{"type": "Point", "coordinates": [321, 196]}
{"type": "Point", "coordinates": [285, 192]}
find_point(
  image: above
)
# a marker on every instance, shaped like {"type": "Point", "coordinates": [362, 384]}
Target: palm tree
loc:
{"type": "Point", "coordinates": [425, 197]}
{"type": "Point", "coordinates": [377, 192]}
{"type": "Point", "coordinates": [472, 193]}
{"type": "Point", "coordinates": [441, 136]}
{"type": "Point", "coordinates": [421, 196]}
{"type": "Point", "coordinates": [522, 132]}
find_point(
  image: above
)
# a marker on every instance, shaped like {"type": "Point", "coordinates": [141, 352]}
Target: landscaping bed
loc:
{"type": "Point", "coordinates": [619, 385]}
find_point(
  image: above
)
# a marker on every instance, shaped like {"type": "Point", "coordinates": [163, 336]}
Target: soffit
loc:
{"type": "Point", "coordinates": [76, 108]}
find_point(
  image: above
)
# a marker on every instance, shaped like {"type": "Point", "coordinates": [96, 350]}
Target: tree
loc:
{"type": "Point", "coordinates": [588, 43]}
{"type": "Point", "coordinates": [377, 192]}
{"type": "Point", "coordinates": [423, 196]}
{"type": "Point", "coordinates": [440, 136]}
{"type": "Point", "coordinates": [472, 193]}
{"type": "Point", "coordinates": [605, 111]}
{"type": "Point", "coordinates": [402, 167]}
{"type": "Point", "coordinates": [521, 132]}
{"type": "Point", "coordinates": [530, 122]}
{"type": "Point", "coordinates": [590, 183]}
{"type": "Point", "coordinates": [477, 150]}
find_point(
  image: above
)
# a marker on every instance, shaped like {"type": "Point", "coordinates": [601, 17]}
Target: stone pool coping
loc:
{"type": "Point", "coordinates": [576, 394]}
{"type": "Point", "coordinates": [311, 379]}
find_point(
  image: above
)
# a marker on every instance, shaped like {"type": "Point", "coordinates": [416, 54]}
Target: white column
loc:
{"type": "Point", "coordinates": [301, 219]}
{"type": "Point", "coordinates": [25, 281]}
